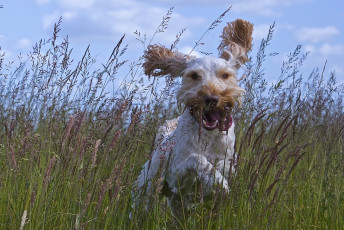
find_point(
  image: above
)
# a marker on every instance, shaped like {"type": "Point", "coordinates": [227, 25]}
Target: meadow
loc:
{"type": "Point", "coordinates": [70, 148]}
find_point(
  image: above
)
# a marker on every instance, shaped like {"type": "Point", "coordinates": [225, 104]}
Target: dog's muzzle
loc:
{"type": "Point", "coordinates": [211, 116]}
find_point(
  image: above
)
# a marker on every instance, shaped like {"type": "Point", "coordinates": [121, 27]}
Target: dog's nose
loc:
{"type": "Point", "coordinates": [211, 99]}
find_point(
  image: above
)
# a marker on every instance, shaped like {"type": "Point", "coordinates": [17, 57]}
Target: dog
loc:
{"type": "Point", "coordinates": [197, 148]}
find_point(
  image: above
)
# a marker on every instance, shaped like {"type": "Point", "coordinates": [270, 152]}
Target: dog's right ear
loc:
{"type": "Point", "coordinates": [160, 61]}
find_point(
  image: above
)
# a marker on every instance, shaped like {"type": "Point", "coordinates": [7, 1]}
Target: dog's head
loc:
{"type": "Point", "coordinates": [209, 85]}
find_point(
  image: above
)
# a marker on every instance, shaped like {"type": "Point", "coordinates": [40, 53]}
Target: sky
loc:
{"type": "Point", "coordinates": [317, 25]}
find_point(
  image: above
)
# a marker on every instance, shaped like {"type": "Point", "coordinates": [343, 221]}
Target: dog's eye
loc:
{"type": "Point", "coordinates": [194, 76]}
{"type": "Point", "coordinates": [225, 76]}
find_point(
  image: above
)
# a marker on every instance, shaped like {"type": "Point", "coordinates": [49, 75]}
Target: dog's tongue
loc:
{"type": "Point", "coordinates": [212, 120]}
{"type": "Point", "coordinates": [212, 116]}
{"type": "Point", "coordinates": [227, 123]}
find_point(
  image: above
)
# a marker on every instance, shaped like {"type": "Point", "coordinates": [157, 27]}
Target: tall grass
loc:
{"type": "Point", "coordinates": [70, 148]}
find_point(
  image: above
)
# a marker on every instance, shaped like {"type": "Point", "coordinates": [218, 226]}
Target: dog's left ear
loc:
{"type": "Point", "coordinates": [236, 42]}
{"type": "Point", "coordinates": [160, 61]}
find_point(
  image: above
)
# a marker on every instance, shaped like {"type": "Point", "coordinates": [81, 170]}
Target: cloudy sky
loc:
{"type": "Point", "coordinates": [317, 25]}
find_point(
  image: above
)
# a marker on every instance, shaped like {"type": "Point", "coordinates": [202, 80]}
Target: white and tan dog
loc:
{"type": "Point", "coordinates": [198, 146]}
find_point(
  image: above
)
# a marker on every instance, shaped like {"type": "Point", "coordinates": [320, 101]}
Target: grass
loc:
{"type": "Point", "coordinates": [70, 150]}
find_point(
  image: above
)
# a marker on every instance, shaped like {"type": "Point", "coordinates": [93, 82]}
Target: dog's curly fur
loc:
{"type": "Point", "coordinates": [198, 146]}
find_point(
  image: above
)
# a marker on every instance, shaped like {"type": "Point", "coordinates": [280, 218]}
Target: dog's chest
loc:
{"type": "Point", "coordinates": [213, 147]}
{"type": "Point", "coordinates": [206, 143]}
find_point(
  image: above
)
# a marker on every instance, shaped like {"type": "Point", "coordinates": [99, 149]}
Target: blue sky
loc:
{"type": "Point", "coordinates": [318, 25]}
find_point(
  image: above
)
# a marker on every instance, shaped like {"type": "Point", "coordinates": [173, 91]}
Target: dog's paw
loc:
{"type": "Point", "coordinates": [221, 182]}
{"type": "Point", "coordinates": [225, 186]}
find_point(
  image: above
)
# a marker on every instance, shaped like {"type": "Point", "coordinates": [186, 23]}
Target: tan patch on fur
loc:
{"type": "Point", "coordinates": [236, 40]}
{"type": "Point", "coordinates": [160, 61]}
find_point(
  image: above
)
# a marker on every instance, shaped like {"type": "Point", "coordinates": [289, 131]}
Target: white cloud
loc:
{"type": "Point", "coordinates": [188, 50]}
{"type": "Point", "coordinates": [309, 48]}
{"type": "Point", "coordinates": [49, 20]}
{"type": "Point", "coordinates": [329, 50]}
{"type": "Point", "coordinates": [69, 15]}
{"type": "Point", "coordinates": [316, 34]}
{"type": "Point", "coordinates": [264, 7]}
{"type": "Point", "coordinates": [24, 43]}
{"type": "Point", "coordinates": [260, 31]}
{"type": "Point", "coordinates": [76, 4]}
{"type": "Point", "coordinates": [261, 7]}
{"type": "Point", "coordinates": [99, 4]}
{"type": "Point", "coordinates": [106, 20]}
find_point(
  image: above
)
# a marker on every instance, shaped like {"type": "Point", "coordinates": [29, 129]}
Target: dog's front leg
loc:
{"type": "Point", "coordinates": [226, 167]}
{"type": "Point", "coordinates": [198, 167]}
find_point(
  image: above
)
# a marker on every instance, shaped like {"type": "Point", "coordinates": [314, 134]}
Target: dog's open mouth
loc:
{"type": "Point", "coordinates": [213, 119]}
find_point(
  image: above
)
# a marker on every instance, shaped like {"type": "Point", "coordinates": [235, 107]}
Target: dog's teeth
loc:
{"type": "Point", "coordinates": [210, 125]}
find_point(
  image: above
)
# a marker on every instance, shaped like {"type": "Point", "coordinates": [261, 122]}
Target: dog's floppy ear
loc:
{"type": "Point", "coordinates": [236, 42]}
{"type": "Point", "coordinates": [160, 61]}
